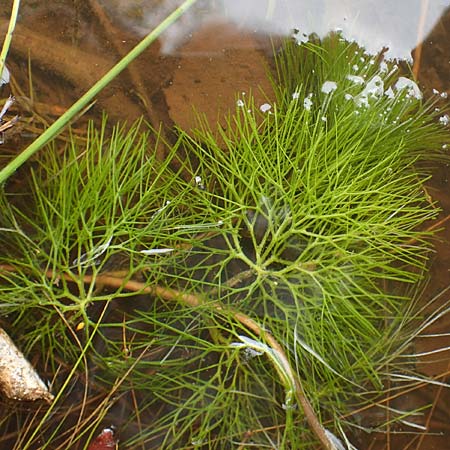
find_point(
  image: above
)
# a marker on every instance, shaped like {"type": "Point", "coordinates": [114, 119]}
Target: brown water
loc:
{"type": "Point", "coordinates": [207, 59]}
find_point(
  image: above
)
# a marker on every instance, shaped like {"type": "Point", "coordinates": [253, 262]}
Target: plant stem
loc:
{"type": "Point", "coordinates": [9, 33]}
{"type": "Point", "coordinates": [57, 126]}
{"type": "Point", "coordinates": [193, 300]}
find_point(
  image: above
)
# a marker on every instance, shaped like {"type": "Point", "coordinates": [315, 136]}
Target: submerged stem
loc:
{"type": "Point", "coordinates": [193, 301]}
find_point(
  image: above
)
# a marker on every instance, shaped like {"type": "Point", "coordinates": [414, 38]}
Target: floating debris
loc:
{"type": "Point", "coordinates": [93, 255]}
{"type": "Point", "coordinates": [199, 182]}
{"type": "Point", "coordinates": [5, 76]}
{"type": "Point", "coordinates": [6, 125]}
{"type": "Point", "coordinates": [307, 102]}
{"type": "Point", "coordinates": [444, 120]}
{"type": "Point", "coordinates": [157, 251]}
{"type": "Point", "coordinates": [18, 379]}
{"type": "Point", "coordinates": [105, 440]}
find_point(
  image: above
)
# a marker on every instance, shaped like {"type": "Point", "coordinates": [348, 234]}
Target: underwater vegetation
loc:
{"type": "Point", "coordinates": [251, 289]}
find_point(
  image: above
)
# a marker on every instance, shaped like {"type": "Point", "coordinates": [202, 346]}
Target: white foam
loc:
{"type": "Point", "coordinates": [410, 86]}
{"type": "Point", "coordinates": [372, 90]}
{"type": "Point", "coordinates": [328, 87]}
{"type": "Point", "coordinates": [355, 79]}
{"type": "Point", "coordinates": [307, 103]}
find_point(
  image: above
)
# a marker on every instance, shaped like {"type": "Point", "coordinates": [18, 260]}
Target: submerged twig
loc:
{"type": "Point", "coordinates": [424, 4]}
{"type": "Point", "coordinates": [300, 394]}
{"type": "Point", "coordinates": [193, 301]}
{"type": "Point", "coordinates": [10, 123]}
{"type": "Point", "coordinates": [431, 413]}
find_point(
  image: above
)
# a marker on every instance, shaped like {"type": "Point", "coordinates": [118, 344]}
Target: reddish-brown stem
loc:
{"type": "Point", "coordinates": [195, 301]}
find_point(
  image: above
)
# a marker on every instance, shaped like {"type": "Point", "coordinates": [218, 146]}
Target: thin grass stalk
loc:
{"type": "Point", "coordinates": [9, 34]}
{"type": "Point", "coordinates": [60, 123]}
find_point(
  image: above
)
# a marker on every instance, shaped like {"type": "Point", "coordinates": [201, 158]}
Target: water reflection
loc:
{"type": "Point", "coordinates": [374, 24]}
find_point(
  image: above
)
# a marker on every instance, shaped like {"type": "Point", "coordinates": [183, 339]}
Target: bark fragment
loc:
{"type": "Point", "coordinates": [18, 379]}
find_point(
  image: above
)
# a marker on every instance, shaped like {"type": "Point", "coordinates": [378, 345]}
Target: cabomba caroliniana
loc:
{"type": "Point", "coordinates": [277, 263]}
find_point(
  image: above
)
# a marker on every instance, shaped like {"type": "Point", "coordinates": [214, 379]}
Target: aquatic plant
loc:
{"type": "Point", "coordinates": [251, 293]}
